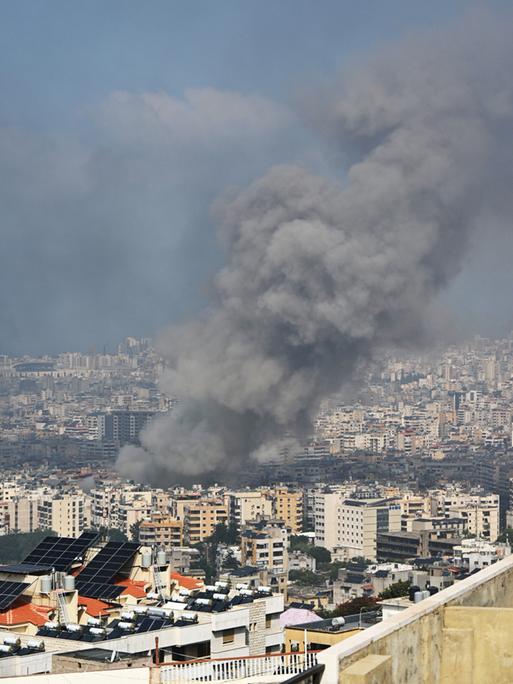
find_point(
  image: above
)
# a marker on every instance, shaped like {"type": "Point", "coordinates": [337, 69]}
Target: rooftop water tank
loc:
{"type": "Point", "coordinates": [146, 560]}
{"type": "Point", "coordinates": [69, 583]}
{"type": "Point", "coordinates": [161, 558]}
{"type": "Point", "coordinates": [46, 584]}
{"type": "Point", "coordinates": [12, 641]}
{"type": "Point", "coordinates": [36, 644]}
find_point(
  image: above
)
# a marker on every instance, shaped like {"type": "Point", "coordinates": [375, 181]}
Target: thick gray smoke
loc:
{"type": "Point", "coordinates": [320, 272]}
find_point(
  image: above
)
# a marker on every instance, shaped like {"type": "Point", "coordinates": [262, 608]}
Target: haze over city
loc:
{"type": "Point", "coordinates": [256, 341]}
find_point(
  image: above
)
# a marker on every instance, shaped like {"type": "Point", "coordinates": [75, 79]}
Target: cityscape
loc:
{"type": "Point", "coordinates": [406, 487]}
{"type": "Point", "coordinates": [256, 342]}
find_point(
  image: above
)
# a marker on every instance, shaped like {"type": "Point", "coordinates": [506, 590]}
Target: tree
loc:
{"type": "Point", "coordinates": [304, 578]}
{"type": "Point", "coordinates": [364, 604]}
{"type": "Point", "coordinates": [15, 547]}
{"type": "Point", "coordinates": [134, 530]}
{"type": "Point", "coordinates": [320, 554]}
{"type": "Point", "coordinates": [506, 536]}
{"type": "Point", "coordinates": [400, 588]}
{"type": "Point", "coordinates": [333, 569]}
{"type": "Point", "coordinates": [223, 534]}
{"type": "Point", "coordinates": [111, 533]}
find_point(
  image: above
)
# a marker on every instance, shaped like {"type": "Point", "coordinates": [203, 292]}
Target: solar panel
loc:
{"type": "Point", "coordinates": [25, 569]}
{"type": "Point", "coordinates": [10, 591]}
{"type": "Point", "coordinates": [60, 552]}
{"type": "Point", "coordinates": [99, 590]}
{"type": "Point", "coordinates": [107, 562]}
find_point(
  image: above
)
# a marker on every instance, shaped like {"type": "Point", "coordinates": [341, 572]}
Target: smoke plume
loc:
{"type": "Point", "coordinates": [320, 271]}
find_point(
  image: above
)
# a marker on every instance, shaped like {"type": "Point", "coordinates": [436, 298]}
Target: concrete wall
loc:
{"type": "Point", "coordinates": [415, 638]}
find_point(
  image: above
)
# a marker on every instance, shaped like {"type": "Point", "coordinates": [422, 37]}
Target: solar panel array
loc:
{"type": "Point", "coordinates": [99, 590]}
{"type": "Point", "coordinates": [108, 562]}
{"type": "Point", "coordinates": [10, 591]}
{"type": "Point", "coordinates": [60, 552]}
{"type": "Point", "coordinates": [95, 579]}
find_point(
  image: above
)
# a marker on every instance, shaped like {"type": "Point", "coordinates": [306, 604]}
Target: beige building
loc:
{"type": "Point", "coordinates": [325, 505]}
{"type": "Point", "coordinates": [246, 506]}
{"type": "Point", "coordinates": [288, 506]}
{"type": "Point", "coordinates": [161, 530]}
{"type": "Point", "coordinates": [202, 517]}
{"type": "Point", "coordinates": [67, 514]}
{"type": "Point", "coordinates": [23, 514]}
{"type": "Point", "coordinates": [360, 520]}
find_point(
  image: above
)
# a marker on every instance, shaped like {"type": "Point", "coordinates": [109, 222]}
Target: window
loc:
{"type": "Point", "coordinates": [228, 636]}
{"type": "Point", "coordinates": [268, 622]}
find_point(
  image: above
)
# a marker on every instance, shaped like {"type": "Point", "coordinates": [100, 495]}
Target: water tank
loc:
{"type": "Point", "coordinates": [128, 615]}
{"type": "Point", "coordinates": [338, 621]}
{"type": "Point", "coordinates": [140, 610]}
{"type": "Point", "coordinates": [73, 627]}
{"type": "Point", "coordinates": [36, 644]}
{"type": "Point", "coordinates": [146, 560]}
{"type": "Point", "coordinates": [127, 626]}
{"type": "Point", "coordinates": [161, 558]}
{"type": "Point", "coordinates": [433, 590]}
{"type": "Point", "coordinates": [52, 625]}
{"type": "Point", "coordinates": [12, 641]}
{"type": "Point", "coordinates": [69, 583]}
{"type": "Point", "coordinates": [46, 584]}
{"type": "Point", "coordinates": [418, 596]}
{"type": "Point", "coordinates": [6, 648]}
{"type": "Point", "coordinates": [412, 591]}
{"type": "Point", "coordinates": [94, 622]}
{"type": "Point", "coordinates": [425, 594]}
{"type": "Point", "coordinates": [98, 631]}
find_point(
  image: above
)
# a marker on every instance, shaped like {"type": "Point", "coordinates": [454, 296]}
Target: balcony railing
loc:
{"type": "Point", "coordinates": [228, 669]}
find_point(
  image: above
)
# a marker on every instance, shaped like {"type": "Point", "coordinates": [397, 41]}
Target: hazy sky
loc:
{"type": "Point", "coordinates": [121, 122]}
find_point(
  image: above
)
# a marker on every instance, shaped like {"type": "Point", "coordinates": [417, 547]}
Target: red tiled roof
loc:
{"type": "Point", "coordinates": [22, 612]}
{"type": "Point", "coordinates": [133, 588]}
{"type": "Point", "coordinates": [187, 582]}
{"type": "Point", "coordinates": [94, 607]}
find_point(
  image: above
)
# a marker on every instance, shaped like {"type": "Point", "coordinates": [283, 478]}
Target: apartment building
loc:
{"type": "Point", "coordinates": [67, 514]}
{"type": "Point", "coordinates": [288, 506]}
{"type": "Point", "coordinates": [359, 521]}
{"type": "Point", "coordinates": [22, 514]}
{"type": "Point", "coordinates": [202, 517]}
{"type": "Point", "coordinates": [246, 506]}
{"type": "Point", "coordinates": [325, 506]}
{"type": "Point", "coordinates": [264, 544]}
{"type": "Point", "coordinates": [162, 531]}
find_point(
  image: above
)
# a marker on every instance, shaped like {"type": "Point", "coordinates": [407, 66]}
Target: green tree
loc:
{"type": "Point", "coordinates": [15, 547]}
{"type": "Point", "coordinates": [304, 578]}
{"type": "Point", "coordinates": [320, 554]}
{"type": "Point", "coordinates": [362, 603]}
{"type": "Point", "coordinates": [506, 536]}
{"type": "Point", "coordinates": [111, 533]}
{"type": "Point", "coordinates": [134, 530]}
{"type": "Point", "coordinates": [396, 590]}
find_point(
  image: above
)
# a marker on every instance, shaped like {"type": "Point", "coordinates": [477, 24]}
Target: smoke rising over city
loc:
{"type": "Point", "coordinates": [320, 272]}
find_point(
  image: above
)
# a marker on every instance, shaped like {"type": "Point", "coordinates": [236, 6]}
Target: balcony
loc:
{"type": "Point", "coordinates": [270, 667]}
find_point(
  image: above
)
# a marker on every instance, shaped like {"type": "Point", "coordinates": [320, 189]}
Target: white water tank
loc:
{"type": "Point", "coordinates": [146, 560]}
{"type": "Point", "coordinates": [46, 584]}
{"type": "Point", "coordinates": [69, 583]}
{"type": "Point", "coordinates": [36, 644]}
{"type": "Point", "coordinates": [12, 641]}
{"type": "Point", "coordinates": [98, 631]}
{"type": "Point", "coordinates": [161, 558]}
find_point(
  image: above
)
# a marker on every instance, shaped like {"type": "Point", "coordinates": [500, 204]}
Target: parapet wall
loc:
{"type": "Point", "coordinates": [414, 638]}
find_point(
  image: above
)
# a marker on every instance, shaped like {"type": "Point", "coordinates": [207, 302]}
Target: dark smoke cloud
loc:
{"type": "Point", "coordinates": [321, 273]}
